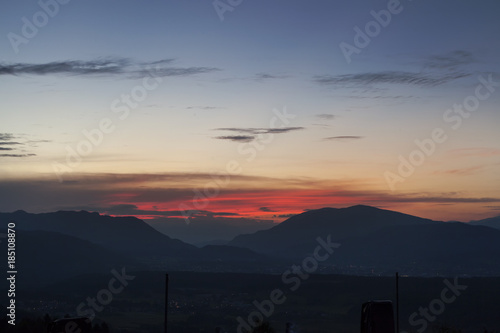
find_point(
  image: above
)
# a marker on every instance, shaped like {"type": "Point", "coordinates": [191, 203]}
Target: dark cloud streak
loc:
{"type": "Point", "coordinates": [268, 76]}
{"type": "Point", "coordinates": [250, 134]}
{"type": "Point", "coordinates": [256, 131]}
{"type": "Point", "coordinates": [389, 77]}
{"type": "Point", "coordinates": [325, 116]}
{"type": "Point", "coordinates": [19, 145]}
{"type": "Point", "coordinates": [344, 137]}
{"type": "Point", "coordinates": [76, 67]}
{"type": "Point", "coordinates": [449, 61]}
{"type": "Point", "coordinates": [108, 66]}
{"type": "Point", "coordinates": [94, 191]}
{"type": "Point", "coordinates": [17, 155]}
{"type": "Point", "coordinates": [237, 138]}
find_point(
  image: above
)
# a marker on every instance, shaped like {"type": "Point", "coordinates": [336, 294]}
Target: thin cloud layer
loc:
{"type": "Point", "coordinates": [462, 171]}
{"type": "Point", "coordinates": [449, 61]}
{"type": "Point", "coordinates": [6, 137]}
{"type": "Point", "coordinates": [124, 195]}
{"type": "Point", "coordinates": [257, 131]}
{"type": "Point", "coordinates": [75, 67]}
{"type": "Point", "coordinates": [173, 71]}
{"type": "Point", "coordinates": [108, 66]}
{"type": "Point", "coordinates": [134, 210]}
{"type": "Point", "coordinates": [17, 145]}
{"type": "Point", "coordinates": [249, 134]}
{"type": "Point", "coordinates": [389, 77]}
{"type": "Point", "coordinates": [17, 155]}
{"type": "Point", "coordinates": [204, 107]}
{"type": "Point", "coordinates": [343, 137]}
{"type": "Point", "coordinates": [268, 76]}
{"type": "Point", "coordinates": [474, 152]}
{"type": "Point", "coordinates": [237, 138]}
{"type": "Point", "coordinates": [439, 70]}
{"type": "Point", "coordinates": [325, 116]}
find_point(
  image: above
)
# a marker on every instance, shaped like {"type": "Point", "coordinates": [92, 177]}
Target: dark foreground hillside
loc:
{"type": "Point", "coordinates": [199, 302]}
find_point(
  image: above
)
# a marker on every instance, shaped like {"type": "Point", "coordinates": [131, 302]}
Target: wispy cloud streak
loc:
{"type": "Point", "coordinates": [249, 134]}
{"type": "Point", "coordinates": [108, 66]}
{"type": "Point", "coordinates": [389, 77]}
{"type": "Point", "coordinates": [17, 145]}
{"type": "Point", "coordinates": [343, 137]}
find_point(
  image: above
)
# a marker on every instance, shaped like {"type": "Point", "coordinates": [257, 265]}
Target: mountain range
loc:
{"type": "Point", "coordinates": [493, 222]}
{"type": "Point", "coordinates": [56, 246]}
{"type": "Point", "coordinates": [127, 235]}
{"type": "Point", "coordinates": [298, 234]}
{"type": "Point", "coordinates": [382, 241]}
{"type": "Point", "coordinates": [371, 241]}
{"type": "Point", "coordinates": [204, 230]}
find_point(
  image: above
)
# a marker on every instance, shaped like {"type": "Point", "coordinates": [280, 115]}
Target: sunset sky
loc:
{"type": "Point", "coordinates": [260, 110]}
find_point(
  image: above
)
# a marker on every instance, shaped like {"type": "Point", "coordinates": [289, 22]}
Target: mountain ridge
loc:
{"type": "Point", "coordinates": [128, 236]}
{"type": "Point", "coordinates": [372, 240]}
{"type": "Point", "coordinates": [341, 223]}
{"type": "Point", "coordinates": [493, 222]}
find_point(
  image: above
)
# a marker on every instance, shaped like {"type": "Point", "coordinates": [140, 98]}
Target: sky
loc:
{"type": "Point", "coordinates": [250, 109]}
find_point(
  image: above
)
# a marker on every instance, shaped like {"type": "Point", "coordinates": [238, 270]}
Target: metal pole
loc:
{"type": "Point", "coordinates": [166, 302]}
{"type": "Point", "coordinates": [397, 302]}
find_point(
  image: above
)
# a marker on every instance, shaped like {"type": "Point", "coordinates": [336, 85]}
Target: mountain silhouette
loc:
{"type": "Point", "coordinates": [208, 230]}
{"type": "Point", "coordinates": [298, 234]}
{"type": "Point", "coordinates": [372, 241]}
{"type": "Point", "coordinates": [493, 222]}
{"type": "Point", "coordinates": [441, 248]}
{"type": "Point", "coordinates": [128, 235]}
{"type": "Point", "coordinates": [46, 256]}
{"type": "Point", "coordinates": [383, 241]}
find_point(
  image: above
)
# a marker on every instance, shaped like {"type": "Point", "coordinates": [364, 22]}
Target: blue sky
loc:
{"type": "Point", "coordinates": [218, 82]}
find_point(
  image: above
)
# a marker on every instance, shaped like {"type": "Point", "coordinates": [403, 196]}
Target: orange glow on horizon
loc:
{"type": "Point", "coordinates": [278, 205]}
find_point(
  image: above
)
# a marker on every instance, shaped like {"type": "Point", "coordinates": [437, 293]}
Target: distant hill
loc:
{"type": "Point", "coordinates": [298, 234]}
{"type": "Point", "coordinates": [383, 240]}
{"type": "Point", "coordinates": [231, 253]}
{"type": "Point", "coordinates": [128, 236]}
{"type": "Point", "coordinates": [45, 256]}
{"type": "Point", "coordinates": [372, 241]}
{"type": "Point", "coordinates": [208, 230]}
{"type": "Point", "coordinates": [442, 248]}
{"type": "Point", "coordinates": [492, 222]}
